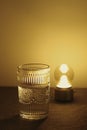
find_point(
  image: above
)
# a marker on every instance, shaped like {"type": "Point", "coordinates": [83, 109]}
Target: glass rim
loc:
{"type": "Point", "coordinates": [29, 66]}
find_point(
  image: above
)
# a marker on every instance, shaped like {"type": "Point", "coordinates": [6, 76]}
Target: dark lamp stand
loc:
{"type": "Point", "coordinates": [64, 94]}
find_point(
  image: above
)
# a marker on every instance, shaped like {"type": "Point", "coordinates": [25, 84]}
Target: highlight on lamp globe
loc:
{"type": "Point", "coordinates": [64, 76]}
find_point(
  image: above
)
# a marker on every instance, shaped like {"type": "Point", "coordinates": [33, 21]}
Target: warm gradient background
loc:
{"type": "Point", "coordinates": [46, 31]}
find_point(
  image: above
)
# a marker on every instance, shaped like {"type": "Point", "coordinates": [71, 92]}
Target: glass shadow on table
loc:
{"type": "Point", "coordinates": [16, 123]}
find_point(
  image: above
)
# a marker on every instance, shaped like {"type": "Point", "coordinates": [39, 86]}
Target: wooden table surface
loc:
{"type": "Point", "coordinates": [62, 116]}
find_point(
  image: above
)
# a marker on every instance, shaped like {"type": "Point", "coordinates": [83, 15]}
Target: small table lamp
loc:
{"type": "Point", "coordinates": [63, 76]}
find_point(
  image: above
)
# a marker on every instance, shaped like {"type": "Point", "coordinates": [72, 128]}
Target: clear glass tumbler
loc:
{"type": "Point", "coordinates": [33, 90]}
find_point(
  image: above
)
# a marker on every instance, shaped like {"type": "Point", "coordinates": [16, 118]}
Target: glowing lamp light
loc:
{"type": "Point", "coordinates": [64, 76]}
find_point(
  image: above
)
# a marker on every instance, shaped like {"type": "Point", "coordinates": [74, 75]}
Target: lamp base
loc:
{"type": "Point", "coordinates": [64, 94]}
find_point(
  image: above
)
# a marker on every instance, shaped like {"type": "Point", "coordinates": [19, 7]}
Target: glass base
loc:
{"type": "Point", "coordinates": [33, 116]}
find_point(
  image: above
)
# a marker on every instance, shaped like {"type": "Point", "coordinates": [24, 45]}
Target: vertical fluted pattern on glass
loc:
{"type": "Point", "coordinates": [35, 78]}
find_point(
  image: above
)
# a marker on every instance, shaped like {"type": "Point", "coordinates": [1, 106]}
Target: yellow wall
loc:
{"type": "Point", "coordinates": [46, 31]}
